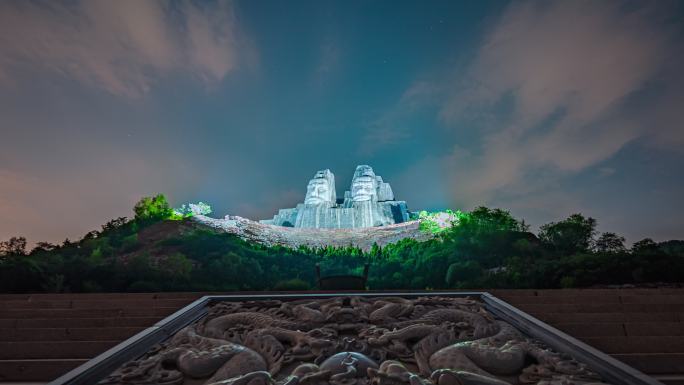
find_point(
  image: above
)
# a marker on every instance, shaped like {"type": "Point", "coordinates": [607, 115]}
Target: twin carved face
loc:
{"type": "Point", "coordinates": [318, 191]}
{"type": "Point", "coordinates": [321, 189]}
{"type": "Point", "coordinates": [364, 188]}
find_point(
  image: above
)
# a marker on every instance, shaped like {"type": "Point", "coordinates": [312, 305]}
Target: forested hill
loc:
{"type": "Point", "coordinates": [163, 250]}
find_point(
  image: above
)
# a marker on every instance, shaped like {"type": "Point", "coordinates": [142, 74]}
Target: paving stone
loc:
{"type": "Point", "coordinates": [514, 293]}
{"type": "Point", "coordinates": [654, 329]}
{"type": "Point", "coordinates": [149, 312]}
{"type": "Point", "coordinates": [173, 303]}
{"type": "Point", "coordinates": [192, 296]}
{"type": "Point", "coordinates": [652, 307]}
{"type": "Point", "coordinates": [69, 334]}
{"type": "Point", "coordinates": [7, 323]}
{"type": "Point", "coordinates": [59, 313]}
{"type": "Point", "coordinates": [93, 296]}
{"type": "Point", "coordinates": [8, 297]}
{"type": "Point", "coordinates": [670, 379]}
{"type": "Point", "coordinates": [113, 303]}
{"type": "Point", "coordinates": [23, 304]}
{"type": "Point", "coordinates": [659, 299]}
{"type": "Point", "coordinates": [654, 363]}
{"type": "Point", "coordinates": [36, 370]}
{"type": "Point", "coordinates": [558, 300]}
{"type": "Point", "coordinates": [84, 322]}
{"type": "Point", "coordinates": [571, 308]}
{"type": "Point", "coordinates": [578, 292]}
{"type": "Point", "coordinates": [51, 349]}
{"type": "Point", "coordinates": [553, 318]}
{"type": "Point", "coordinates": [618, 345]}
{"type": "Point", "coordinates": [591, 329]}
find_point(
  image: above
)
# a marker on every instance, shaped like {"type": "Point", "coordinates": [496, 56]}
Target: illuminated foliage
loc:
{"type": "Point", "coordinates": [191, 209]}
{"type": "Point", "coordinates": [150, 209]}
{"type": "Point", "coordinates": [483, 248]}
{"type": "Point", "coordinates": [438, 221]}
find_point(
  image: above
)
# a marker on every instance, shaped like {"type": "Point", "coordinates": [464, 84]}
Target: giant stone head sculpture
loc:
{"type": "Point", "coordinates": [321, 189]}
{"type": "Point", "coordinates": [364, 184]}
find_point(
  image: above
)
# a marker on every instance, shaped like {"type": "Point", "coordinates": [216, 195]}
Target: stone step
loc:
{"type": "Point", "coordinates": [642, 345]}
{"type": "Point", "coordinates": [78, 322]}
{"type": "Point", "coordinates": [513, 293]}
{"type": "Point", "coordinates": [592, 329]}
{"type": "Point", "coordinates": [21, 350]}
{"type": "Point", "coordinates": [24, 304]}
{"type": "Point", "coordinates": [94, 304]}
{"type": "Point", "coordinates": [14, 297]}
{"type": "Point", "coordinates": [555, 318]}
{"type": "Point", "coordinates": [68, 334]}
{"type": "Point", "coordinates": [70, 296]}
{"type": "Point", "coordinates": [654, 363]}
{"type": "Point", "coordinates": [99, 296]}
{"type": "Point", "coordinates": [592, 307]}
{"type": "Point", "coordinates": [670, 379]}
{"type": "Point", "coordinates": [665, 299]}
{"type": "Point", "coordinates": [609, 292]}
{"type": "Point", "coordinates": [42, 370]}
{"type": "Point", "coordinates": [87, 313]}
{"type": "Point", "coordinates": [129, 304]}
{"type": "Point", "coordinates": [654, 328]}
{"type": "Point", "coordinates": [190, 296]}
{"type": "Point", "coordinates": [584, 329]}
{"type": "Point", "coordinates": [557, 300]}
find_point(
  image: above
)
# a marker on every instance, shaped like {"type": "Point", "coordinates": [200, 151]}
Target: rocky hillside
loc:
{"type": "Point", "coordinates": [271, 235]}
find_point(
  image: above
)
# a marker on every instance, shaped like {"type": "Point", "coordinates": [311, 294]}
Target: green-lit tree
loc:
{"type": "Point", "coordinates": [152, 209]}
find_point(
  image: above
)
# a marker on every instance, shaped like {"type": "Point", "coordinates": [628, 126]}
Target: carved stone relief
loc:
{"type": "Point", "coordinates": [352, 341]}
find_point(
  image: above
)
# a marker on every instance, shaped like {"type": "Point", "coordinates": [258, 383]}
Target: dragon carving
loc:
{"type": "Point", "coordinates": [352, 341]}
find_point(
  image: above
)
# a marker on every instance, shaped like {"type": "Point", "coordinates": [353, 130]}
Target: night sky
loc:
{"type": "Point", "coordinates": [542, 108]}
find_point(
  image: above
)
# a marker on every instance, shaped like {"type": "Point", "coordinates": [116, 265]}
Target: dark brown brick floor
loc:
{"type": "Point", "coordinates": [42, 336]}
{"type": "Point", "coordinates": [45, 335]}
{"type": "Point", "coordinates": [641, 327]}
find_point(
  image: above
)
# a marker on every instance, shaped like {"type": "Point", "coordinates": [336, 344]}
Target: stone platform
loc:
{"type": "Point", "coordinates": [44, 335]}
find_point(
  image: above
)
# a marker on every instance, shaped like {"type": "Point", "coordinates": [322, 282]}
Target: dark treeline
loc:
{"type": "Point", "coordinates": [487, 249]}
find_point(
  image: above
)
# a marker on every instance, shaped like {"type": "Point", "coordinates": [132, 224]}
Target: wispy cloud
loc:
{"type": "Point", "coordinates": [328, 61]}
{"type": "Point", "coordinates": [569, 72]}
{"type": "Point", "coordinates": [123, 46]}
{"type": "Point", "coordinates": [395, 125]}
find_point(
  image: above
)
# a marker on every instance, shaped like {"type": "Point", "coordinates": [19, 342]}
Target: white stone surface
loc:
{"type": "Point", "coordinates": [368, 203]}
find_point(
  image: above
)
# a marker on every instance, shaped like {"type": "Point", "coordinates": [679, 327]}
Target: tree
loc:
{"type": "Point", "coordinates": [463, 271]}
{"type": "Point", "coordinates": [151, 209]}
{"type": "Point", "coordinates": [610, 243]}
{"type": "Point", "coordinates": [569, 236]}
{"type": "Point", "coordinates": [44, 246]}
{"type": "Point", "coordinates": [488, 220]}
{"type": "Point", "coordinates": [114, 224]}
{"type": "Point", "coordinates": [15, 246]}
{"type": "Point", "coordinates": [645, 246]}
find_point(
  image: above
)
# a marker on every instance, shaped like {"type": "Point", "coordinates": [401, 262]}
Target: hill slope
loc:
{"type": "Point", "coordinates": [271, 235]}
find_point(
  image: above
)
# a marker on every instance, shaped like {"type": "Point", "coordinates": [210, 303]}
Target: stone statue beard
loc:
{"type": "Point", "coordinates": [363, 189]}
{"type": "Point", "coordinates": [317, 192]}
